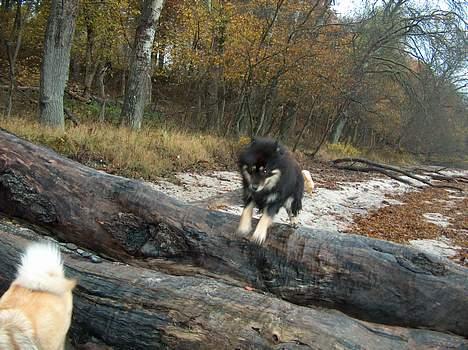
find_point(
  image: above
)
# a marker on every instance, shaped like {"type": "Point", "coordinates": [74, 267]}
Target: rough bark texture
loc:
{"type": "Point", "coordinates": [127, 220]}
{"type": "Point", "coordinates": [136, 308]}
{"type": "Point", "coordinates": [56, 61]}
{"type": "Point", "coordinates": [140, 64]}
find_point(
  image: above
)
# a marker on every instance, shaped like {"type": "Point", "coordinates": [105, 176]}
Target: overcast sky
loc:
{"type": "Point", "coordinates": [346, 7]}
{"type": "Point", "coordinates": [343, 7]}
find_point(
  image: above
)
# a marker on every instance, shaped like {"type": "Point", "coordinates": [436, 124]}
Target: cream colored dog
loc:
{"type": "Point", "coordinates": [35, 312]}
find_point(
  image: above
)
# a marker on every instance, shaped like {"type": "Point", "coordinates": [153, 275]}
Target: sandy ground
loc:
{"type": "Point", "coordinates": [334, 205]}
{"type": "Point", "coordinates": [329, 209]}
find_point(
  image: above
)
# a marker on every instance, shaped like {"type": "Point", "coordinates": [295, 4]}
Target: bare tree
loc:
{"type": "Point", "coordinates": [136, 94]}
{"type": "Point", "coordinates": [102, 74]}
{"type": "Point", "coordinates": [56, 61]}
{"type": "Point", "coordinates": [12, 45]}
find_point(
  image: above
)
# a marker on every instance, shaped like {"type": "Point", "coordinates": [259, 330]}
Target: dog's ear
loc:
{"type": "Point", "coordinates": [278, 148]}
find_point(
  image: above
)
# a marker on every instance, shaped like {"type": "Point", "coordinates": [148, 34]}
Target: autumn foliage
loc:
{"type": "Point", "coordinates": [389, 76]}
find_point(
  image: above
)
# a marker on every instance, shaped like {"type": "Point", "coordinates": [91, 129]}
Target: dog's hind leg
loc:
{"type": "Point", "coordinates": [293, 212]}
{"type": "Point", "coordinates": [292, 215]}
{"type": "Point", "coordinates": [245, 224]}
{"type": "Point", "coordinates": [293, 219]}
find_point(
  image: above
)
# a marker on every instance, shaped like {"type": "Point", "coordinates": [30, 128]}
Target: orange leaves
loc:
{"type": "Point", "coordinates": [260, 40]}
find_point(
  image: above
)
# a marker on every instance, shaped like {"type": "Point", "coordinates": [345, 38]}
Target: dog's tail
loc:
{"type": "Point", "coordinates": [41, 269]}
{"type": "Point", "coordinates": [308, 182]}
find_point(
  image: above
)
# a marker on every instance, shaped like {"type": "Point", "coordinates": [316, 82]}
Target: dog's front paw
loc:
{"type": "Point", "coordinates": [259, 236]}
{"type": "Point", "coordinates": [243, 230]}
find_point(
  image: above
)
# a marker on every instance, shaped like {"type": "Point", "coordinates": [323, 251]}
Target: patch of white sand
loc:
{"type": "Point", "coordinates": [195, 187]}
{"type": "Point", "coordinates": [437, 219]}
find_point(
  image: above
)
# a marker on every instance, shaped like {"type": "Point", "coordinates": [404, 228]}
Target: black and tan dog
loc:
{"type": "Point", "coordinates": [271, 179]}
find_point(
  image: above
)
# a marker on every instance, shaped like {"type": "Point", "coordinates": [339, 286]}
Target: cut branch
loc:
{"type": "Point", "coordinates": [369, 169]}
{"type": "Point", "coordinates": [377, 167]}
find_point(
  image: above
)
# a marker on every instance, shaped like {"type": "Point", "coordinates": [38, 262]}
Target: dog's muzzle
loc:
{"type": "Point", "coordinates": [256, 188]}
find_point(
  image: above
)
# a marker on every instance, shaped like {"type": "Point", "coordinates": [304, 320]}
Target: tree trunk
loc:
{"type": "Point", "coordinates": [222, 105]}
{"type": "Point", "coordinates": [127, 220]}
{"type": "Point", "coordinates": [355, 133]}
{"type": "Point", "coordinates": [197, 111]}
{"type": "Point", "coordinates": [12, 49]}
{"type": "Point", "coordinates": [338, 129]}
{"type": "Point", "coordinates": [212, 102]}
{"type": "Point", "coordinates": [75, 69]}
{"type": "Point", "coordinates": [215, 71]}
{"type": "Point", "coordinates": [123, 82]}
{"type": "Point", "coordinates": [161, 56]}
{"type": "Point", "coordinates": [91, 65]}
{"type": "Point", "coordinates": [304, 128]}
{"type": "Point", "coordinates": [102, 74]}
{"type": "Point", "coordinates": [287, 121]}
{"type": "Point", "coordinates": [136, 93]}
{"type": "Point", "coordinates": [130, 307]}
{"type": "Point", "coordinates": [56, 61]}
{"type": "Point", "coordinates": [330, 124]}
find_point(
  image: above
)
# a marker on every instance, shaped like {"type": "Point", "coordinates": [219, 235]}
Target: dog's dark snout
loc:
{"type": "Point", "coordinates": [254, 187]}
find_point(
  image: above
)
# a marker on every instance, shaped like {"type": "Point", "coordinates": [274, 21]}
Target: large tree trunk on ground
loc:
{"type": "Point", "coordinates": [136, 93]}
{"type": "Point", "coordinates": [131, 307]}
{"type": "Point", "coordinates": [127, 220]}
{"type": "Point", "coordinates": [56, 61]}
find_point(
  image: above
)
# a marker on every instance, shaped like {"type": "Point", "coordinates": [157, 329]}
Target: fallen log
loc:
{"type": "Point", "coordinates": [370, 169]}
{"type": "Point", "coordinates": [436, 174]}
{"type": "Point", "coordinates": [129, 221]}
{"type": "Point", "coordinates": [130, 307]}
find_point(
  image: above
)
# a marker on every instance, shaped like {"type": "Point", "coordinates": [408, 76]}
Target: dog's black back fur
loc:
{"type": "Point", "coordinates": [268, 155]}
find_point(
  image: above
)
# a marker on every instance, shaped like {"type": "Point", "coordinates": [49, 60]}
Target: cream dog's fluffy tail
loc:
{"type": "Point", "coordinates": [41, 269]}
{"type": "Point", "coordinates": [308, 182]}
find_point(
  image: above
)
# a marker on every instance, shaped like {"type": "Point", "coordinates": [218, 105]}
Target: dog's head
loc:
{"type": "Point", "coordinates": [258, 164]}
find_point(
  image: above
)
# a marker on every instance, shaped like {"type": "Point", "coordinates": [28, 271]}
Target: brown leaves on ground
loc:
{"type": "Point", "coordinates": [404, 222]}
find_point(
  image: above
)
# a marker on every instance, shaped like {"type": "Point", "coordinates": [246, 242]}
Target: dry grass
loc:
{"type": "Point", "coordinates": [333, 151]}
{"type": "Point", "coordinates": [148, 154]}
